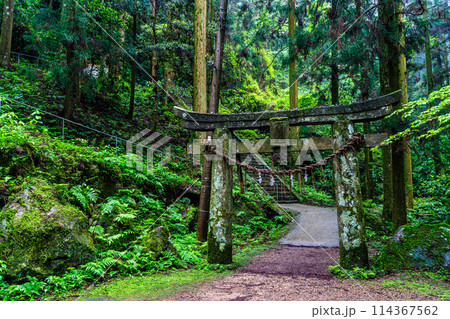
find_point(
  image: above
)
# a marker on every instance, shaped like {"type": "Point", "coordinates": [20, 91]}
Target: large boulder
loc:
{"type": "Point", "coordinates": [419, 247]}
{"type": "Point", "coordinates": [157, 241]}
{"type": "Point", "coordinates": [40, 236]}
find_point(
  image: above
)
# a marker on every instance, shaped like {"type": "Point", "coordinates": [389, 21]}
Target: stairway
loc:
{"type": "Point", "coordinates": [279, 190]}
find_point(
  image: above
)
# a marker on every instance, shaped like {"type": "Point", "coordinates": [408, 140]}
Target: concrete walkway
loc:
{"type": "Point", "coordinates": [317, 226]}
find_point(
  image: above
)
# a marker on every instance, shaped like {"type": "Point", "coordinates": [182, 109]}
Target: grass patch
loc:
{"type": "Point", "coordinates": [422, 283]}
{"type": "Point", "coordinates": [153, 287]}
{"type": "Point", "coordinates": [162, 285]}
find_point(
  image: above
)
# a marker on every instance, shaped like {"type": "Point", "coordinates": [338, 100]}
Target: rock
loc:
{"type": "Point", "coordinates": [373, 221]}
{"type": "Point", "coordinates": [40, 236]}
{"type": "Point", "coordinates": [419, 247]}
{"type": "Point", "coordinates": [157, 241]}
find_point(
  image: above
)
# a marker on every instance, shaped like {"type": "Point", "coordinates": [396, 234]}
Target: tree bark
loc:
{"type": "Point", "coordinates": [72, 90]}
{"type": "Point", "coordinates": [202, 226]}
{"type": "Point", "coordinates": [154, 71]}
{"type": "Point", "coordinates": [368, 180]}
{"type": "Point", "coordinates": [392, 78]}
{"type": "Point", "coordinates": [428, 63]}
{"type": "Point", "coordinates": [334, 84]}
{"type": "Point", "coordinates": [200, 105]}
{"type": "Point", "coordinates": [333, 66]}
{"type": "Point", "coordinates": [6, 35]}
{"type": "Point", "coordinates": [168, 68]}
{"type": "Point", "coordinates": [209, 40]}
{"type": "Point", "coordinates": [293, 86]}
{"type": "Point", "coordinates": [388, 192]}
{"type": "Point", "coordinates": [435, 147]}
{"type": "Point", "coordinates": [200, 93]}
{"type": "Point", "coordinates": [447, 70]}
{"type": "Point", "coordinates": [133, 70]}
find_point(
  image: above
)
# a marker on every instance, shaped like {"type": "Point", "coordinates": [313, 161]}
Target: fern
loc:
{"type": "Point", "coordinates": [123, 218]}
{"type": "Point", "coordinates": [85, 197]}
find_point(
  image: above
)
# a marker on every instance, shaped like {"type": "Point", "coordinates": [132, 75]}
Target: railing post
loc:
{"type": "Point", "coordinates": [352, 232]}
{"type": "Point", "coordinates": [221, 205]}
{"type": "Point", "coordinates": [63, 130]}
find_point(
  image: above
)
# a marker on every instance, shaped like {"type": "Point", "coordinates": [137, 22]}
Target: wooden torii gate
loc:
{"type": "Point", "coordinates": [352, 236]}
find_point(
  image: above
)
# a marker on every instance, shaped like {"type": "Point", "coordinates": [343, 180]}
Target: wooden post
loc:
{"type": "Point", "coordinates": [352, 233]}
{"type": "Point", "coordinates": [221, 213]}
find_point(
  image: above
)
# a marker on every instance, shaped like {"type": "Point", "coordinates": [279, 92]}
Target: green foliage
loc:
{"type": "Point", "coordinates": [311, 195]}
{"type": "Point", "coordinates": [434, 108]}
{"type": "Point", "coordinates": [355, 273]}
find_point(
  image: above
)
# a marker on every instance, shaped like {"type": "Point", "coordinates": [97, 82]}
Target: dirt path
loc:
{"type": "Point", "coordinates": [292, 273]}
{"type": "Point", "coordinates": [297, 272]}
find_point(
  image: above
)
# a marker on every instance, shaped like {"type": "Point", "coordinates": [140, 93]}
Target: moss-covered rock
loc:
{"type": "Point", "coordinates": [157, 241]}
{"type": "Point", "coordinates": [419, 247]}
{"type": "Point", "coordinates": [40, 236]}
{"type": "Point", "coordinates": [373, 221]}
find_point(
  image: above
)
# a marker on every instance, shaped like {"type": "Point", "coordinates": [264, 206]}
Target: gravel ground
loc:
{"type": "Point", "coordinates": [293, 273]}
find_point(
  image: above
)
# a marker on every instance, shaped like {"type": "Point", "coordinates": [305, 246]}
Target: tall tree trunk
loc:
{"type": "Point", "coordinates": [6, 36]}
{"type": "Point", "coordinates": [293, 89]}
{"type": "Point", "coordinates": [333, 66]}
{"type": "Point", "coordinates": [200, 93]}
{"type": "Point", "coordinates": [168, 81]}
{"type": "Point", "coordinates": [210, 17]}
{"type": "Point", "coordinates": [447, 70]}
{"type": "Point", "coordinates": [72, 81]}
{"type": "Point", "coordinates": [428, 63]}
{"type": "Point", "coordinates": [293, 86]}
{"type": "Point", "coordinates": [435, 147]}
{"type": "Point", "coordinates": [133, 69]}
{"type": "Point", "coordinates": [365, 93]}
{"type": "Point", "coordinates": [209, 42]}
{"type": "Point", "coordinates": [72, 91]}
{"type": "Point", "coordinates": [388, 191]}
{"type": "Point", "coordinates": [393, 78]}
{"type": "Point", "coordinates": [154, 72]}
{"type": "Point", "coordinates": [334, 84]}
{"type": "Point", "coordinates": [205, 195]}
{"type": "Point", "coordinates": [168, 68]}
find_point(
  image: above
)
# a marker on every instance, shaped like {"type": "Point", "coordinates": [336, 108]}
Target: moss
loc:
{"type": "Point", "coordinates": [419, 247]}
{"type": "Point", "coordinates": [219, 253]}
{"type": "Point", "coordinates": [154, 287]}
{"type": "Point", "coordinates": [373, 221]}
{"type": "Point", "coordinates": [42, 236]}
{"type": "Point", "coordinates": [157, 241]}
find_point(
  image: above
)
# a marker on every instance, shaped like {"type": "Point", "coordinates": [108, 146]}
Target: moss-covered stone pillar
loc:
{"type": "Point", "coordinates": [279, 128]}
{"type": "Point", "coordinates": [279, 136]}
{"type": "Point", "coordinates": [221, 214]}
{"type": "Point", "coordinates": [352, 233]}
